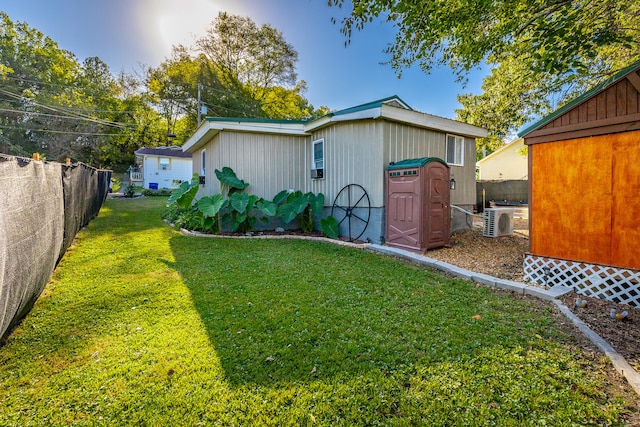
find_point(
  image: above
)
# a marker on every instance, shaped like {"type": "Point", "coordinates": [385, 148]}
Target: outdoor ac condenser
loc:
{"type": "Point", "coordinates": [498, 222]}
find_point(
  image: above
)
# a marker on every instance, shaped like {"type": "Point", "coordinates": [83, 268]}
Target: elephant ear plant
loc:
{"type": "Point", "coordinates": [184, 213]}
{"type": "Point", "coordinates": [240, 204]}
{"type": "Point", "coordinates": [301, 206]}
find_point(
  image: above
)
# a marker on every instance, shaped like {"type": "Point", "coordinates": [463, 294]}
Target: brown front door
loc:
{"type": "Point", "coordinates": [403, 216]}
{"type": "Point", "coordinates": [438, 221]}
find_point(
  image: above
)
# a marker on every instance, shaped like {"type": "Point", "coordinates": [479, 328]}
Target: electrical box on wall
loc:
{"type": "Point", "coordinates": [202, 180]}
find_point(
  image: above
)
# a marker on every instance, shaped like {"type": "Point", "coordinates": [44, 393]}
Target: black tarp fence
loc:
{"type": "Point", "coordinates": [42, 207]}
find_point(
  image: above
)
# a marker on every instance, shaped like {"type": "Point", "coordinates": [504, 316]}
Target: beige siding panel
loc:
{"type": "Point", "coordinates": [352, 156]}
{"type": "Point", "coordinates": [403, 142]}
{"type": "Point", "coordinates": [269, 163]}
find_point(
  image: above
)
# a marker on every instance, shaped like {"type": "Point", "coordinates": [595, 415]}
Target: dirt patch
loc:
{"type": "Point", "coordinates": [499, 257]}
{"type": "Point", "coordinates": [622, 334]}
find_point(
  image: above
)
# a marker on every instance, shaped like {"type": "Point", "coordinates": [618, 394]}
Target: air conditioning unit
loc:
{"type": "Point", "coordinates": [498, 222]}
{"type": "Point", "coordinates": [317, 173]}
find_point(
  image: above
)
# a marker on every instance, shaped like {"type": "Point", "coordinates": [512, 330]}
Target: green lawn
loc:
{"type": "Point", "coordinates": [141, 325]}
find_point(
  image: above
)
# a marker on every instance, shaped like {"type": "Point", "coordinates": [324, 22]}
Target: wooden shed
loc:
{"type": "Point", "coordinates": [349, 148]}
{"type": "Point", "coordinates": [584, 189]}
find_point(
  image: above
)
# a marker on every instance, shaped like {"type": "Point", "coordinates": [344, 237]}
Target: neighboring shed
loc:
{"type": "Point", "coordinates": [584, 187]}
{"type": "Point", "coordinates": [351, 146]}
{"type": "Point", "coordinates": [162, 167]}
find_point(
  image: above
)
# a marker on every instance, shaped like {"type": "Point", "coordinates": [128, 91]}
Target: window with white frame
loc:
{"type": "Point", "coordinates": [165, 163]}
{"type": "Point", "coordinates": [203, 163]}
{"type": "Point", "coordinates": [317, 149]}
{"type": "Point", "coordinates": [455, 150]}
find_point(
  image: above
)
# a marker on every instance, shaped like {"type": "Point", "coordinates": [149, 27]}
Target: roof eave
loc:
{"type": "Point", "coordinates": [208, 130]}
{"type": "Point", "coordinates": [429, 121]}
{"type": "Point", "coordinates": [580, 99]}
{"type": "Point", "coordinates": [371, 113]}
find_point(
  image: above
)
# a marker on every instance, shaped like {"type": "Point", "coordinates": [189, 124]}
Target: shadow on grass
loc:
{"type": "Point", "coordinates": [282, 311]}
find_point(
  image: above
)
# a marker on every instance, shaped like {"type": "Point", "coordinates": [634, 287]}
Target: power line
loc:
{"type": "Point", "coordinates": [63, 131]}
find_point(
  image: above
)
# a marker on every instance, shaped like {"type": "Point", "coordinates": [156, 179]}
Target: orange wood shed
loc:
{"type": "Point", "coordinates": [584, 178]}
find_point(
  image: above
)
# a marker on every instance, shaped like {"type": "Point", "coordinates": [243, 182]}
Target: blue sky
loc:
{"type": "Point", "coordinates": [127, 33]}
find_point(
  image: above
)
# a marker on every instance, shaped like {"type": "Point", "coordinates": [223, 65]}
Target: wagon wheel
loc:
{"type": "Point", "coordinates": [352, 198]}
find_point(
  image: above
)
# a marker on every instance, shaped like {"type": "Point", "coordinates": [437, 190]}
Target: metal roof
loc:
{"type": "Point", "coordinates": [580, 99]}
{"type": "Point", "coordinates": [254, 120]}
{"type": "Point", "coordinates": [369, 105]}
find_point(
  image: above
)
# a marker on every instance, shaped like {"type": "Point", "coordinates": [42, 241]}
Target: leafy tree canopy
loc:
{"type": "Point", "coordinates": [238, 69]}
{"type": "Point", "coordinates": [540, 52]}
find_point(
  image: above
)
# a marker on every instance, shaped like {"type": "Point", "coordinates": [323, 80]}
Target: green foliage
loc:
{"type": "Point", "coordinates": [238, 68]}
{"type": "Point", "coordinates": [163, 192]}
{"type": "Point", "coordinates": [235, 332]}
{"type": "Point", "coordinates": [330, 227]}
{"type": "Point", "coordinates": [210, 206]}
{"type": "Point", "coordinates": [130, 190]}
{"type": "Point", "coordinates": [184, 195]}
{"type": "Point", "coordinates": [229, 181]}
{"type": "Point", "coordinates": [80, 110]}
{"type": "Point", "coordinates": [241, 206]}
{"type": "Point", "coordinates": [267, 207]}
{"type": "Point", "coordinates": [302, 207]}
{"type": "Point", "coordinates": [540, 53]}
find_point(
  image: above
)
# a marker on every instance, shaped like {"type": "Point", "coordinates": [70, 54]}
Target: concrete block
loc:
{"type": "Point", "coordinates": [539, 293]}
{"type": "Point", "coordinates": [511, 286]}
{"type": "Point", "coordinates": [484, 279]}
{"type": "Point", "coordinates": [459, 272]}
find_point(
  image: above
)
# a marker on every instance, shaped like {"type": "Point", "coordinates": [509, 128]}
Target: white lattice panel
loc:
{"type": "Point", "coordinates": [621, 285]}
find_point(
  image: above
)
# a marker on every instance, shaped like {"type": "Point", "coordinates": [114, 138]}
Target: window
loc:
{"type": "Point", "coordinates": [203, 163]}
{"type": "Point", "coordinates": [164, 163]}
{"type": "Point", "coordinates": [455, 150]}
{"type": "Point", "coordinates": [317, 160]}
{"type": "Point", "coordinates": [318, 154]}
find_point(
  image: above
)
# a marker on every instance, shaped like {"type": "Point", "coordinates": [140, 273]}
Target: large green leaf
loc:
{"type": "Point", "coordinates": [330, 227]}
{"type": "Point", "coordinates": [281, 197]}
{"type": "Point", "coordinates": [239, 202]}
{"type": "Point", "coordinates": [228, 177]}
{"type": "Point", "coordinates": [295, 205]}
{"type": "Point", "coordinates": [211, 205]}
{"type": "Point", "coordinates": [316, 202]}
{"type": "Point", "coordinates": [267, 207]}
{"type": "Point", "coordinates": [183, 196]}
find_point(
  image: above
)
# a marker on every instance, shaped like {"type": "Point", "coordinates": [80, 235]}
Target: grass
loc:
{"type": "Point", "coordinates": [141, 325]}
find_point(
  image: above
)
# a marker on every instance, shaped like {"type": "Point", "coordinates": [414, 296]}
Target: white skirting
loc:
{"type": "Point", "coordinates": [621, 285]}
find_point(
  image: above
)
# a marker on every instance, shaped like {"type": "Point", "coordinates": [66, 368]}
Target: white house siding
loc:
{"type": "Point", "coordinates": [352, 156]}
{"type": "Point", "coordinates": [269, 163]}
{"type": "Point", "coordinates": [179, 170]}
{"type": "Point", "coordinates": [505, 164]}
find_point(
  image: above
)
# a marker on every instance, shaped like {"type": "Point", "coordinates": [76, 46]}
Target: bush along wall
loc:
{"type": "Point", "coordinates": [235, 210]}
{"type": "Point", "coordinates": [42, 207]}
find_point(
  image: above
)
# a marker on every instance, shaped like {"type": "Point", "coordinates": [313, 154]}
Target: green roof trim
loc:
{"type": "Point", "coordinates": [580, 99]}
{"type": "Point", "coordinates": [414, 163]}
{"type": "Point", "coordinates": [369, 105]}
{"type": "Point", "coordinates": [255, 120]}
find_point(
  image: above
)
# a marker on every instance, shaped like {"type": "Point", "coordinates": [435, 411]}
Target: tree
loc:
{"type": "Point", "coordinates": [238, 68]}
{"type": "Point", "coordinates": [540, 52]}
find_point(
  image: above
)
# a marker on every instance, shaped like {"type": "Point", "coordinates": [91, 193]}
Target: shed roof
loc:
{"type": "Point", "coordinates": [172, 151]}
{"type": "Point", "coordinates": [580, 99]}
